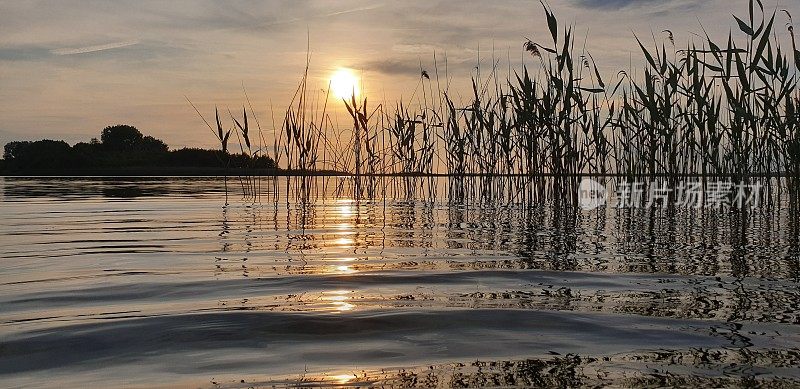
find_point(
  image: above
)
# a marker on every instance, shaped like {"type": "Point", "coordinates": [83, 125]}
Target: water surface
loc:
{"type": "Point", "coordinates": [157, 282]}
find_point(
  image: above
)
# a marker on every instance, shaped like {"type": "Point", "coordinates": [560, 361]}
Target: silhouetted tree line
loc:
{"type": "Point", "coordinates": [119, 147]}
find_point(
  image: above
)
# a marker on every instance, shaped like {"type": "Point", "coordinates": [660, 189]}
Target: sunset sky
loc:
{"type": "Point", "coordinates": [69, 68]}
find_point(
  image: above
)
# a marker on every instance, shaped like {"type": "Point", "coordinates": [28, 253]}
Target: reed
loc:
{"type": "Point", "coordinates": [704, 108]}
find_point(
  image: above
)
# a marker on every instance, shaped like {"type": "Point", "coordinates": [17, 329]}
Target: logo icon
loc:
{"type": "Point", "coordinates": [591, 194]}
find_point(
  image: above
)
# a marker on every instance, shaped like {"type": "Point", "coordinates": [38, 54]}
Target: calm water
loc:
{"type": "Point", "coordinates": [156, 282]}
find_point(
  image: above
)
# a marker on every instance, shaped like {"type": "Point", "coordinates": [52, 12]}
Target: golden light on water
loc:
{"type": "Point", "coordinates": [340, 292]}
{"type": "Point", "coordinates": [344, 242]}
{"type": "Point", "coordinates": [342, 306]}
{"type": "Point", "coordinates": [346, 210]}
{"type": "Point", "coordinates": [338, 300]}
{"type": "Point", "coordinates": [344, 84]}
{"type": "Point", "coordinates": [342, 379]}
{"type": "Point", "coordinates": [340, 242]}
{"type": "Point", "coordinates": [344, 269]}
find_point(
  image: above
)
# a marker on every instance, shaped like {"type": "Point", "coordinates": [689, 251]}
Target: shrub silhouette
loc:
{"type": "Point", "coordinates": [153, 145]}
{"type": "Point", "coordinates": [119, 147]}
{"type": "Point", "coordinates": [129, 138]}
{"type": "Point", "coordinates": [41, 154]}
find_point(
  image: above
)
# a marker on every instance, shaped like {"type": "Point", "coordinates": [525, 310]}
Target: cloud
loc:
{"type": "Point", "coordinates": [135, 50]}
{"type": "Point", "coordinates": [359, 9]}
{"type": "Point", "coordinates": [411, 67]}
{"type": "Point", "coordinates": [95, 48]}
{"type": "Point", "coordinates": [415, 49]}
{"type": "Point", "coordinates": [313, 16]}
{"type": "Point", "coordinates": [79, 56]}
{"type": "Point", "coordinates": [258, 17]}
{"type": "Point", "coordinates": [614, 4]}
{"type": "Point", "coordinates": [24, 53]}
{"type": "Point", "coordinates": [394, 67]}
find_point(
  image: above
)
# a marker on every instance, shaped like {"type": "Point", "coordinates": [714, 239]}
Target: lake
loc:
{"type": "Point", "coordinates": [158, 283]}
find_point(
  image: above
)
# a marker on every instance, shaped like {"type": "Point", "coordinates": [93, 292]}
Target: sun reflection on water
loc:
{"type": "Point", "coordinates": [344, 226]}
{"type": "Point", "coordinates": [346, 210]}
{"type": "Point", "coordinates": [345, 269]}
{"type": "Point", "coordinates": [344, 242]}
{"type": "Point", "coordinates": [342, 379]}
{"type": "Point", "coordinates": [339, 300]}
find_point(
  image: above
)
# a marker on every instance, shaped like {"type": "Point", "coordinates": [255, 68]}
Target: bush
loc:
{"type": "Point", "coordinates": [121, 137]}
{"type": "Point", "coordinates": [120, 146]}
{"type": "Point", "coordinates": [43, 154]}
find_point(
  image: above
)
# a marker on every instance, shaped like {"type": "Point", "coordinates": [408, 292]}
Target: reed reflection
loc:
{"type": "Point", "coordinates": [318, 235]}
{"type": "Point", "coordinates": [338, 238]}
{"type": "Point", "coordinates": [269, 273]}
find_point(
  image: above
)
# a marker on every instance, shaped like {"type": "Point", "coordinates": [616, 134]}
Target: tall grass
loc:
{"type": "Point", "coordinates": [704, 108]}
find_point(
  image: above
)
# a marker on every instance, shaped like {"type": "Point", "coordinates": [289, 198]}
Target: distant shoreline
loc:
{"type": "Point", "coordinates": [138, 172]}
{"type": "Point", "coordinates": [144, 172]}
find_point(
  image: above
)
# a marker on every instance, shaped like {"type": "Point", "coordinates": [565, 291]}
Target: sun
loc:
{"type": "Point", "coordinates": [344, 83]}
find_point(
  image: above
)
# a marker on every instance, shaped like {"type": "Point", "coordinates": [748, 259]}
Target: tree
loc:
{"type": "Point", "coordinates": [121, 138]}
{"type": "Point", "coordinates": [120, 146]}
{"type": "Point", "coordinates": [14, 150]}
{"type": "Point", "coordinates": [42, 154]}
{"type": "Point", "coordinates": [152, 145]}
